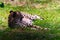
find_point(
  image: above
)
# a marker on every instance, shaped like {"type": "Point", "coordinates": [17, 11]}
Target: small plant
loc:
{"type": "Point", "coordinates": [2, 5]}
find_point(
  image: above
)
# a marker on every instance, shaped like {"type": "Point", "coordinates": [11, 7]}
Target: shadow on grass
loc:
{"type": "Point", "coordinates": [26, 34]}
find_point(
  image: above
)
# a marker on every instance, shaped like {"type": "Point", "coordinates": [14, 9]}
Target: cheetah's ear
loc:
{"type": "Point", "coordinates": [14, 14]}
{"type": "Point", "coordinates": [11, 11]}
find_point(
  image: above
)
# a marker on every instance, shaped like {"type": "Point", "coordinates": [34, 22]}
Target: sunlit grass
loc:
{"type": "Point", "coordinates": [51, 17]}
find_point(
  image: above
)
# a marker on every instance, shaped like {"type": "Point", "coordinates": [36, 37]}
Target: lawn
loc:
{"type": "Point", "coordinates": [51, 15]}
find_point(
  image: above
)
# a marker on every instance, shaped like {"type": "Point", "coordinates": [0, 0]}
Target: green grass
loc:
{"type": "Point", "coordinates": [51, 21]}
